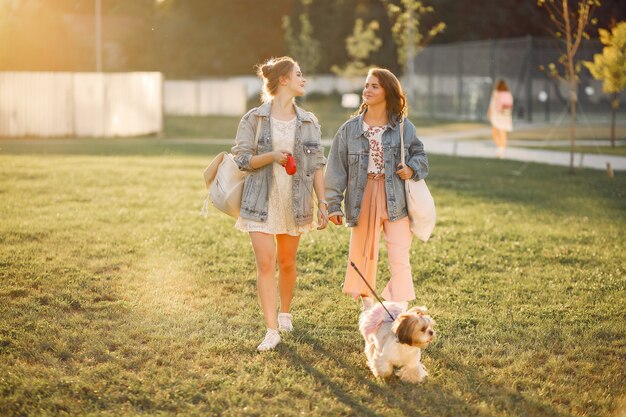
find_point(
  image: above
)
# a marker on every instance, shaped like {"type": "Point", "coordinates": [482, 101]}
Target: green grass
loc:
{"type": "Point", "coordinates": [220, 127]}
{"type": "Point", "coordinates": [117, 298]}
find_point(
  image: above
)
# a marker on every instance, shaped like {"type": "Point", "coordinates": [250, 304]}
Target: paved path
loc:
{"type": "Point", "coordinates": [463, 143]}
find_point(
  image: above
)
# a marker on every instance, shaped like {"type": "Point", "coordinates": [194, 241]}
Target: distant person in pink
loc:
{"type": "Point", "coordinates": [500, 114]}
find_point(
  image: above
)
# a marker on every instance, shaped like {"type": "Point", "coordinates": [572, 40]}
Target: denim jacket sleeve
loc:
{"type": "Point", "coordinates": [336, 178]}
{"type": "Point", "coordinates": [321, 159]}
{"type": "Point", "coordinates": [245, 148]}
{"type": "Point", "coordinates": [417, 159]}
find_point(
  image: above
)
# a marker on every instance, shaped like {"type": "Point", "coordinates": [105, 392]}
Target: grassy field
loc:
{"type": "Point", "coordinates": [117, 298]}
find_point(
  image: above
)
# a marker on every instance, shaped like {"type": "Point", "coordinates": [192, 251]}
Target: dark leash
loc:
{"type": "Point", "coordinates": [370, 287]}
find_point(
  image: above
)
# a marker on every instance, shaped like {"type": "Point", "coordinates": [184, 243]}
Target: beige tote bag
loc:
{"type": "Point", "coordinates": [224, 180]}
{"type": "Point", "coordinates": [419, 202]}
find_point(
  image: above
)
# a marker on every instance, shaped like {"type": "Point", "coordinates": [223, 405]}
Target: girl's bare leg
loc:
{"type": "Point", "coordinates": [287, 250]}
{"type": "Point", "coordinates": [265, 254]}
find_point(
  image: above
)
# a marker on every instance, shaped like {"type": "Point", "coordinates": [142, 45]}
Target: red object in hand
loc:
{"type": "Point", "coordinates": [290, 166]}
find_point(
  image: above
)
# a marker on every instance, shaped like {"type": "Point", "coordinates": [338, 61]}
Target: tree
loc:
{"type": "Point", "coordinates": [570, 25]}
{"type": "Point", "coordinates": [610, 67]}
{"type": "Point", "coordinates": [406, 28]}
{"type": "Point", "coordinates": [359, 45]}
{"type": "Point", "coordinates": [304, 48]}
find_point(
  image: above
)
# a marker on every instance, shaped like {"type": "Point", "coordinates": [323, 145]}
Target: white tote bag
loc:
{"type": "Point", "coordinates": [419, 201]}
{"type": "Point", "coordinates": [224, 180]}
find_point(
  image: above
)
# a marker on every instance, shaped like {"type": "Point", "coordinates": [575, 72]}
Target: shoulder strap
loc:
{"type": "Point", "coordinates": [402, 142]}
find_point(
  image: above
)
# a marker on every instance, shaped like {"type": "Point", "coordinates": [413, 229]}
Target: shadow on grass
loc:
{"type": "Point", "coordinates": [427, 399]}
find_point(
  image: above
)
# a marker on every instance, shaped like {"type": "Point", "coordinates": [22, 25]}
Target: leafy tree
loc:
{"type": "Point", "coordinates": [360, 45]}
{"type": "Point", "coordinates": [610, 67]}
{"type": "Point", "coordinates": [569, 24]}
{"type": "Point", "coordinates": [406, 32]}
{"type": "Point", "coordinates": [304, 48]}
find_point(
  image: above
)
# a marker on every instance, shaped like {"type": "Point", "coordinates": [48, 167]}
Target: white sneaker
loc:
{"type": "Point", "coordinates": [272, 338]}
{"type": "Point", "coordinates": [284, 322]}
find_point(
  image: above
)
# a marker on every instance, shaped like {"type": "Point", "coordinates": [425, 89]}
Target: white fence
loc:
{"type": "Point", "coordinates": [80, 104]}
{"type": "Point", "coordinates": [205, 97]}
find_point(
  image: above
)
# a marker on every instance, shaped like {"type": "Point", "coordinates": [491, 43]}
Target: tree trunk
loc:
{"type": "Point", "coordinates": [571, 77]}
{"type": "Point", "coordinates": [572, 126]}
{"type": "Point", "coordinates": [614, 106]}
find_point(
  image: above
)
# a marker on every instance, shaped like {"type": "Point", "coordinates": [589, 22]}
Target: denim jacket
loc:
{"type": "Point", "coordinates": [308, 154]}
{"type": "Point", "coordinates": [347, 168]}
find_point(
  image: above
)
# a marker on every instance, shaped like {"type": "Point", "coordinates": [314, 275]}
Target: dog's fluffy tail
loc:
{"type": "Point", "coordinates": [372, 319]}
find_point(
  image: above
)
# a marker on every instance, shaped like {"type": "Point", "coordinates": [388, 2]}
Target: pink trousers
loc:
{"type": "Point", "coordinates": [365, 244]}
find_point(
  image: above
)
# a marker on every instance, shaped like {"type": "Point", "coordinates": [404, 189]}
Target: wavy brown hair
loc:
{"type": "Point", "coordinates": [394, 95]}
{"type": "Point", "coordinates": [270, 72]}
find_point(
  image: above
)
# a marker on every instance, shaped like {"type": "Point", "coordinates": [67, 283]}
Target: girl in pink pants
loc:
{"type": "Point", "coordinates": [365, 173]}
{"type": "Point", "coordinates": [365, 243]}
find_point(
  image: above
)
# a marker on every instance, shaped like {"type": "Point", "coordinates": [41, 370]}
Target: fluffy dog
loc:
{"type": "Point", "coordinates": [398, 342]}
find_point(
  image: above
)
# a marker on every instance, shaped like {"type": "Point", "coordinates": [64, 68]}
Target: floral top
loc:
{"type": "Point", "coordinates": [374, 134]}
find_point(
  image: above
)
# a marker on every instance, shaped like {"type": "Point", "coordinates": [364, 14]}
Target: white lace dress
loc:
{"type": "Point", "coordinates": [280, 215]}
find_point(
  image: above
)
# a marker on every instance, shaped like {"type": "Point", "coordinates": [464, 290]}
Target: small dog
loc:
{"type": "Point", "coordinates": [396, 343]}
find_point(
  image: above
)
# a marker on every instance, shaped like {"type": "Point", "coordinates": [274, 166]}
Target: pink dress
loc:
{"type": "Point", "coordinates": [500, 118]}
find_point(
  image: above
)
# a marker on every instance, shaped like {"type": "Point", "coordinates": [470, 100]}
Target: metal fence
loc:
{"type": "Point", "coordinates": [80, 104]}
{"type": "Point", "coordinates": [455, 81]}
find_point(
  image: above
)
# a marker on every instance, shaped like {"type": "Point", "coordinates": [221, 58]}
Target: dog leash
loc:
{"type": "Point", "coordinates": [371, 289]}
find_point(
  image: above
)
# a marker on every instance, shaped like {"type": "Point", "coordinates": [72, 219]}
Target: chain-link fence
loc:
{"type": "Point", "coordinates": [455, 81]}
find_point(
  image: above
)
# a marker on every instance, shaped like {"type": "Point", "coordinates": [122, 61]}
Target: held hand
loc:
{"type": "Point", "coordinates": [404, 172]}
{"type": "Point", "coordinates": [337, 219]}
{"type": "Point", "coordinates": [322, 217]}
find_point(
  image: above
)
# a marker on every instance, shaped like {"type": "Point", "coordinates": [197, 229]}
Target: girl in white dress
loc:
{"type": "Point", "coordinates": [275, 232]}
